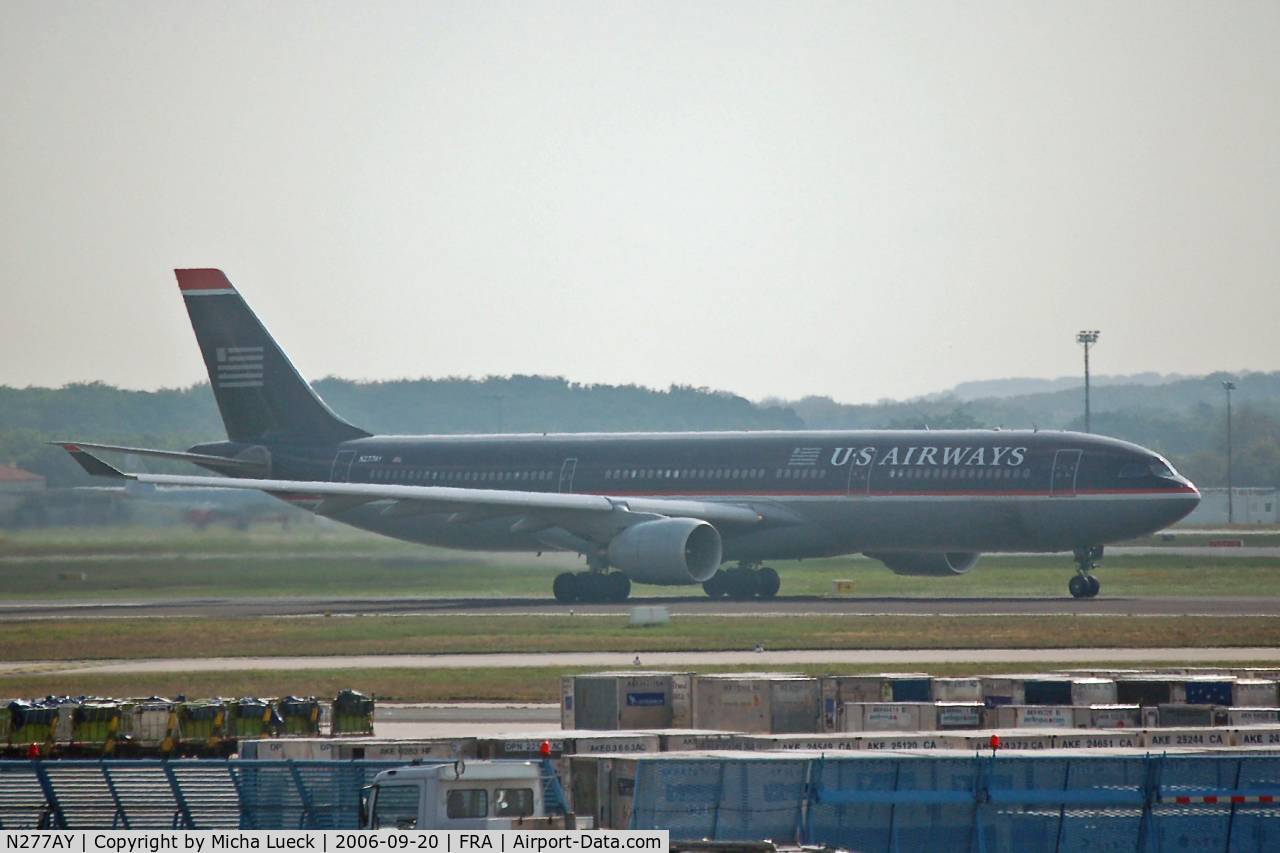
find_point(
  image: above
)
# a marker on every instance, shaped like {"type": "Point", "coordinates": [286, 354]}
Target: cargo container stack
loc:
{"type": "Point", "coordinates": [352, 713]}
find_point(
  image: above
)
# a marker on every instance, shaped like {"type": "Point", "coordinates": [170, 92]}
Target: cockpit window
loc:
{"type": "Point", "coordinates": [1152, 468]}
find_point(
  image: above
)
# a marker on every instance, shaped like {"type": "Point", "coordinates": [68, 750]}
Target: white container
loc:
{"type": "Point", "coordinates": [1109, 717]}
{"type": "Point", "coordinates": [1203, 737]}
{"type": "Point", "coordinates": [956, 690]}
{"type": "Point", "coordinates": [1003, 690]}
{"type": "Point", "coordinates": [1255, 693]}
{"type": "Point", "coordinates": [1095, 739]}
{"type": "Point", "coordinates": [957, 715]}
{"type": "Point", "coordinates": [819, 743]}
{"type": "Point", "coordinates": [839, 690]}
{"type": "Point", "coordinates": [1093, 691]}
{"type": "Point", "coordinates": [1043, 716]}
{"type": "Point", "coordinates": [1256, 736]}
{"type": "Point", "coordinates": [901, 740]}
{"type": "Point", "coordinates": [1253, 716]}
{"type": "Point", "coordinates": [760, 703]}
{"type": "Point", "coordinates": [891, 716]}
{"type": "Point", "coordinates": [1010, 739]}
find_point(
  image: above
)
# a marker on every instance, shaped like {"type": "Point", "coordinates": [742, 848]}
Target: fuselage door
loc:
{"type": "Point", "coordinates": [860, 475]}
{"type": "Point", "coordinates": [566, 474]}
{"type": "Point", "coordinates": [341, 472]}
{"type": "Point", "coordinates": [1066, 464]}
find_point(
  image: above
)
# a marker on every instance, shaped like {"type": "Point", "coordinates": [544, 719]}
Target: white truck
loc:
{"type": "Point", "coordinates": [463, 795]}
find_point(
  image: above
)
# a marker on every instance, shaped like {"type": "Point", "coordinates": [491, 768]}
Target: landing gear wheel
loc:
{"type": "Point", "coordinates": [767, 583]}
{"type": "Point", "coordinates": [715, 586]}
{"type": "Point", "coordinates": [565, 588]}
{"type": "Point", "coordinates": [1084, 584]}
{"type": "Point", "coordinates": [617, 587]}
{"type": "Point", "coordinates": [741, 583]}
{"type": "Point", "coordinates": [1095, 586]}
{"type": "Point", "coordinates": [1078, 586]}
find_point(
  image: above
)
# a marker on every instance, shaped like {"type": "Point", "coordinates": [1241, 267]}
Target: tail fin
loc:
{"type": "Point", "coordinates": [260, 395]}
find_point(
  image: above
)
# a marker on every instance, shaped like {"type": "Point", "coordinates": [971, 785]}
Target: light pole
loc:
{"type": "Point", "coordinates": [1087, 337]}
{"type": "Point", "coordinates": [1229, 386]}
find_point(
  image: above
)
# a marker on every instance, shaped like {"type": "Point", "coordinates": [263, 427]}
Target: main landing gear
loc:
{"type": "Point", "coordinates": [591, 587]}
{"type": "Point", "coordinates": [746, 581]}
{"type": "Point", "coordinates": [1083, 584]}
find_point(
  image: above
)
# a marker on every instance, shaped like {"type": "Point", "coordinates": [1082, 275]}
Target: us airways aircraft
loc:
{"type": "Point", "coordinates": [664, 508]}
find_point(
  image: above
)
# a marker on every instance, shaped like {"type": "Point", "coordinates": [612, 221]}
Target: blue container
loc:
{"type": "Point", "coordinates": [912, 689]}
{"type": "Point", "coordinates": [1047, 691]}
{"type": "Point", "coordinates": [1208, 692]}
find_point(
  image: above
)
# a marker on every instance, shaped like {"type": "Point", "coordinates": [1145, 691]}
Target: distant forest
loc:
{"type": "Point", "coordinates": [1184, 418]}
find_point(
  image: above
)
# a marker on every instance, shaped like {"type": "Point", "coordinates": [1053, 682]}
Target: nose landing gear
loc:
{"type": "Point", "coordinates": [1083, 584]}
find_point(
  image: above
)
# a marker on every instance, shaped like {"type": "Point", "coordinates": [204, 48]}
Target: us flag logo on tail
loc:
{"type": "Point", "coordinates": [805, 456]}
{"type": "Point", "coordinates": [239, 367]}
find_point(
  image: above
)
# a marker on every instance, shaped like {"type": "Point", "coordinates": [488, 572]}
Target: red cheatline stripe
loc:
{"type": "Point", "coordinates": [1266, 798]}
{"type": "Point", "coordinates": [1237, 799]}
{"type": "Point", "coordinates": [1209, 800]}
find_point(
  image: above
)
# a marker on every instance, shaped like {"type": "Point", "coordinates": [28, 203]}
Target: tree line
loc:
{"type": "Point", "coordinates": [1185, 419]}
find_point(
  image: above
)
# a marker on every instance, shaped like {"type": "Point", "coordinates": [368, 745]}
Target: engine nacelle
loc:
{"type": "Point", "coordinates": [668, 551]}
{"type": "Point", "coordinates": [932, 563]}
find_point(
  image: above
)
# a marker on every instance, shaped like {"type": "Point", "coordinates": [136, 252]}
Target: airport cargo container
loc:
{"type": "Point", "coordinates": [1003, 690]}
{"type": "Point", "coordinates": [1047, 690]}
{"type": "Point", "coordinates": [1268, 736]}
{"type": "Point", "coordinates": [150, 722]}
{"type": "Point", "coordinates": [1253, 716]}
{"type": "Point", "coordinates": [1035, 717]}
{"type": "Point", "coordinates": [888, 716]}
{"type": "Point", "coordinates": [1010, 739]}
{"type": "Point", "coordinates": [1255, 693]}
{"type": "Point", "coordinates": [301, 716]}
{"type": "Point", "coordinates": [5, 716]}
{"type": "Point", "coordinates": [1163, 738]}
{"type": "Point", "coordinates": [1146, 690]}
{"type": "Point", "coordinates": [1097, 739]}
{"type": "Point", "coordinates": [247, 717]}
{"type": "Point", "coordinates": [949, 716]}
{"type": "Point", "coordinates": [899, 740]}
{"type": "Point", "coordinates": [359, 749]}
{"type": "Point", "coordinates": [95, 724]}
{"type": "Point", "coordinates": [956, 690]}
{"type": "Point", "coordinates": [820, 742]}
{"type": "Point", "coordinates": [1181, 715]}
{"type": "Point", "coordinates": [839, 690]}
{"type": "Point", "coordinates": [352, 713]}
{"type": "Point", "coordinates": [30, 723]}
{"type": "Point", "coordinates": [909, 688]}
{"type": "Point", "coordinates": [764, 703]}
{"type": "Point", "coordinates": [685, 740]}
{"type": "Point", "coordinates": [1093, 691]}
{"type": "Point", "coordinates": [206, 723]}
{"type": "Point", "coordinates": [628, 701]}
{"type": "Point", "coordinates": [1206, 691]}
{"type": "Point", "coordinates": [1109, 717]}
{"type": "Point", "coordinates": [586, 742]}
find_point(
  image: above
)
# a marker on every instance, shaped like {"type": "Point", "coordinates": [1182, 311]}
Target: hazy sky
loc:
{"type": "Point", "coordinates": [852, 199]}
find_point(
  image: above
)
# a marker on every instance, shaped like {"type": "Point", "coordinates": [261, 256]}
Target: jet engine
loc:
{"type": "Point", "coordinates": [668, 551]}
{"type": "Point", "coordinates": [933, 563]}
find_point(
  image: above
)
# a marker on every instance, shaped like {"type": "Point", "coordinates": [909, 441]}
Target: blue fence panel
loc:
{"type": "Point", "coordinates": [198, 794]}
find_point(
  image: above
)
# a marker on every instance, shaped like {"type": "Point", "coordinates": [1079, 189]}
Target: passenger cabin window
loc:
{"type": "Point", "coordinates": [513, 802]}
{"type": "Point", "coordinates": [396, 806]}
{"type": "Point", "coordinates": [467, 802]}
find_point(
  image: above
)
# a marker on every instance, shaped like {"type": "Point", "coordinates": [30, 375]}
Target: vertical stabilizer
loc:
{"type": "Point", "coordinates": [260, 394]}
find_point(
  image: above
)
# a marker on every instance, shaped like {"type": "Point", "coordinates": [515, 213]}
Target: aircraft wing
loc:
{"type": "Point", "coordinates": [584, 514]}
{"type": "Point", "coordinates": [178, 455]}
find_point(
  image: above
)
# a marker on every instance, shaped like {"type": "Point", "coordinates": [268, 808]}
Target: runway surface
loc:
{"type": "Point", "coordinates": [678, 605]}
{"type": "Point", "coordinates": [1087, 657]}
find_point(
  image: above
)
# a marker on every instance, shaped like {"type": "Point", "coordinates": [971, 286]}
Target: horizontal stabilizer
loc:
{"type": "Point", "coordinates": [205, 459]}
{"type": "Point", "coordinates": [92, 464]}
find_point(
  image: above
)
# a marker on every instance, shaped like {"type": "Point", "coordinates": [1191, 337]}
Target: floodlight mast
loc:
{"type": "Point", "coordinates": [1088, 337]}
{"type": "Point", "coordinates": [1228, 386]}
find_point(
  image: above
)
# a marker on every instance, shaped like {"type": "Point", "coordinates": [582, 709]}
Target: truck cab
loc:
{"type": "Point", "coordinates": [491, 795]}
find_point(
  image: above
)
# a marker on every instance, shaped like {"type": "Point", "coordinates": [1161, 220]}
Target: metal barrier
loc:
{"type": "Point", "coordinates": [199, 794]}
{"type": "Point", "coordinates": [1004, 802]}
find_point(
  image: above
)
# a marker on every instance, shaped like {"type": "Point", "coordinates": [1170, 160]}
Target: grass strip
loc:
{"type": "Point", "coordinates": [536, 684]}
{"type": "Point", "coordinates": [95, 639]}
